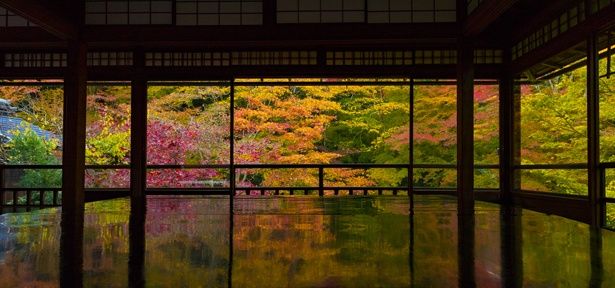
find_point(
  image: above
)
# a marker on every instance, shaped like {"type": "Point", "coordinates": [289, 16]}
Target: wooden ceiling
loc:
{"type": "Point", "coordinates": [495, 24]}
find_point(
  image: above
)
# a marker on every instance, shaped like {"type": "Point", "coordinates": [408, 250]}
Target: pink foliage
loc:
{"type": "Point", "coordinates": [172, 144]}
{"type": "Point", "coordinates": [483, 93]}
{"type": "Point", "coordinates": [118, 178]}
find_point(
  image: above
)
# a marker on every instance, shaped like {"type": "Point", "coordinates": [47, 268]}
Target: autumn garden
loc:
{"type": "Point", "coordinates": [314, 124]}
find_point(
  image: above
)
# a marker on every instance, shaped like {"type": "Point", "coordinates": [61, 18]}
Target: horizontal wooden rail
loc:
{"type": "Point", "coordinates": [573, 166]}
{"type": "Point", "coordinates": [607, 165]}
{"type": "Point", "coordinates": [273, 166]}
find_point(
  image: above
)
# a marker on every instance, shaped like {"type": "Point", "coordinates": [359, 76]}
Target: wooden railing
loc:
{"type": "Point", "coordinates": [12, 197]}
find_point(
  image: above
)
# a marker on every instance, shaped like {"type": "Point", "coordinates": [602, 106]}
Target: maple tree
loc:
{"type": "Point", "coordinates": [190, 125]}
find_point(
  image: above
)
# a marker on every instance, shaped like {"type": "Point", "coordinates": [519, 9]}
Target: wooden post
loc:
{"type": "Point", "coordinates": [465, 129]}
{"type": "Point", "coordinates": [506, 118]}
{"type": "Point", "coordinates": [411, 146]}
{"type": "Point", "coordinates": [73, 161]}
{"type": "Point", "coordinates": [321, 181]}
{"type": "Point", "coordinates": [232, 171]}
{"type": "Point", "coordinates": [138, 173]}
{"type": "Point", "coordinates": [138, 132]}
{"type": "Point", "coordinates": [593, 132]}
{"type": "Point", "coordinates": [516, 138]}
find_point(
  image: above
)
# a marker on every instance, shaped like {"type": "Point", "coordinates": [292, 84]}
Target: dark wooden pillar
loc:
{"type": "Point", "coordinates": [138, 132]}
{"type": "Point", "coordinates": [506, 119]}
{"type": "Point", "coordinates": [465, 129]}
{"type": "Point", "coordinates": [465, 163]}
{"type": "Point", "coordinates": [593, 132]}
{"type": "Point", "coordinates": [232, 179]}
{"type": "Point", "coordinates": [516, 137]}
{"type": "Point", "coordinates": [411, 147]}
{"type": "Point", "coordinates": [232, 185]}
{"type": "Point", "coordinates": [73, 161]}
{"type": "Point", "coordinates": [138, 160]}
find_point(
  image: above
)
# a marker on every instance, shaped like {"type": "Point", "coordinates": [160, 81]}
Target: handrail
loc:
{"type": "Point", "coordinates": [187, 166]}
{"type": "Point", "coordinates": [252, 166]}
{"type": "Point", "coordinates": [324, 187]}
{"type": "Point", "coordinates": [551, 194]}
{"type": "Point", "coordinates": [551, 166]}
{"type": "Point", "coordinates": [59, 166]}
{"type": "Point", "coordinates": [607, 165]}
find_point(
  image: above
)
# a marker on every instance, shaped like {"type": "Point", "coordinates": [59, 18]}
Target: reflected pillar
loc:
{"type": "Point", "coordinates": [411, 252]}
{"type": "Point", "coordinates": [465, 234]}
{"type": "Point", "coordinates": [136, 246]}
{"type": "Point", "coordinates": [595, 252]}
{"type": "Point", "coordinates": [511, 249]}
{"type": "Point", "coordinates": [73, 161]}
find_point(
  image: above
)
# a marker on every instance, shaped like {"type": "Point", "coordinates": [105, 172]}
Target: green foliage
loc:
{"type": "Point", "coordinates": [342, 124]}
{"type": "Point", "coordinates": [554, 120]}
{"type": "Point", "coordinates": [26, 147]}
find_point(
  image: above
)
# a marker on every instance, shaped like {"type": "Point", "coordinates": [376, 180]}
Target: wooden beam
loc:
{"type": "Point", "coordinates": [486, 14]}
{"type": "Point", "coordinates": [43, 15]}
{"type": "Point", "coordinates": [302, 34]}
{"type": "Point", "coordinates": [225, 73]}
{"type": "Point", "coordinates": [570, 38]}
{"type": "Point", "coordinates": [28, 37]}
{"type": "Point", "coordinates": [73, 172]}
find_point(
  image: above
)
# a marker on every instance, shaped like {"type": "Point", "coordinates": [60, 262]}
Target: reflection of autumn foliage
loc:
{"type": "Point", "coordinates": [187, 241]}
